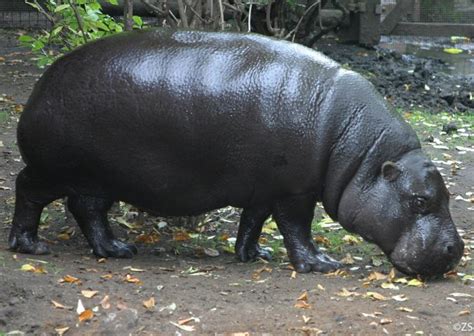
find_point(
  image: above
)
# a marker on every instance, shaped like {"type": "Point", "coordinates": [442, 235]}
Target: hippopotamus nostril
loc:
{"type": "Point", "coordinates": [449, 249]}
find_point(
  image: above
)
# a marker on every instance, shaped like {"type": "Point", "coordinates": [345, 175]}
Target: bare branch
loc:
{"type": "Point", "coordinates": [268, 19]}
{"type": "Point", "coordinates": [155, 9]}
{"type": "Point", "coordinates": [221, 13]}
{"type": "Point", "coordinates": [128, 14]}
{"type": "Point", "coordinates": [78, 19]}
{"type": "Point", "coordinates": [182, 14]}
{"type": "Point", "coordinates": [249, 19]}
{"type": "Point", "coordinates": [295, 30]}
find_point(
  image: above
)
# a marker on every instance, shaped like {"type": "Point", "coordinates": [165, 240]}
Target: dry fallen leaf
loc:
{"type": "Point", "coordinates": [415, 283]}
{"type": "Point", "coordinates": [385, 321]}
{"type": "Point", "coordinates": [302, 305]}
{"type": "Point", "coordinates": [306, 319]}
{"type": "Point", "coordinates": [346, 293]}
{"type": "Point", "coordinates": [303, 297]}
{"type": "Point", "coordinates": [400, 280]}
{"type": "Point", "coordinates": [63, 236]}
{"type": "Point", "coordinates": [376, 296]}
{"type": "Point", "coordinates": [351, 240]}
{"type": "Point", "coordinates": [405, 309]}
{"type": "Point", "coordinates": [132, 279]}
{"type": "Point", "coordinates": [33, 269]}
{"type": "Point", "coordinates": [376, 276]}
{"type": "Point", "coordinates": [389, 285]}
{"type": "Point", "coordinates": [181, 236]}
{"type": "Point", "coordinates": [210, 252]}
{"type": "Point", "coordinates": [61, 330]}
{"type": "Point", "coordinates": [183, 327]}
{"type": "Point", "coordinates": [464, 295]}
{"type": "Point", "coordinates": [320, 240]}
{"type": "Point", "coordinates": [464, 312]}
{"type": "Point", "coordinates": [105, 303]}
{"type": "Point", "coordinates": [133, 269]}
{"type": "Point", "coordinates": [400, 298]}
{"type": "Point", "coordinates": [187, 320]}
{"type": "Point", "coordinates": [302, 301]}
{"type": "Point", "coordinates": [256, 274]}
{"type": "Point", "coordinates": [80, 307]}
{"type": "Point", "coordinates": [391, 275]}
{"type": "Point", "coordinates": [339, 272]}
{"type": "Point", "coordinates": [171, 308]}
{"type": "Point", "coordinates": [321, 287]}
{"type": "Point", "coordinates": [150, 238]}
{"type": "Point", "coordinates": [89, 293]}
{"type": "Point", "coordinates": [369, 315]}
{"type": "Point", "coordinates": [86, 315]}
{"type": "Point", "coordinates": [70, 279]}
{"type": "Point", "coordinates": [293, 275]}
{"type": "Point", "coordinates": [347, 260]}
{"type": "Point", "coordinates": [106, 276]}
{"type": "Point", "coordinates": [150, 303]}
{"type": "Point", "coordinates": [59, 305]}
{"type": "Point", "coordinates": [121, 306]}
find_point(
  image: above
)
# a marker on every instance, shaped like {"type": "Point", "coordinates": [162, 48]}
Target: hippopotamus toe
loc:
{"type": "Point", "coordinates": [313, 260]}
{"type": "Point", "coordinates": [26, 244]}
{"type": "Point", "coordinates": [252, 254]}
{"type": "Point", "coordinates": [114, 248]}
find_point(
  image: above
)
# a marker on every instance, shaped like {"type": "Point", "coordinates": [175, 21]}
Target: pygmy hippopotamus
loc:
{"type": "Point", "coordinates": [180, 123]}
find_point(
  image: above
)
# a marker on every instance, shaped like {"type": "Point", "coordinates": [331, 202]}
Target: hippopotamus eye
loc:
{"type": "Point", "coordinates": [420, 203]}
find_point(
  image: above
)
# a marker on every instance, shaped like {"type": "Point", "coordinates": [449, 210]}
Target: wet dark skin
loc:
{"type": "Point", "coordinates": [180, 123]}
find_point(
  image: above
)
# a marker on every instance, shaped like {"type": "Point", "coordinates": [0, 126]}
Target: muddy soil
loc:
{"type": "Point", "coordinates": [217, 294]}
{"type": "Point", "coordinates": [407, 81]}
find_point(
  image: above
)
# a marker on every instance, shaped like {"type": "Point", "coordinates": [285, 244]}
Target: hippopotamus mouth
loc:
{"type": "Point", "coordinates": [415, 254]}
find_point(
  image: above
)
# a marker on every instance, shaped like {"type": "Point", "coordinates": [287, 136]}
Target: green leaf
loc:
{"type": "Point", "coordinates": [453, 51]}
{"type": "Point", "coordinates": [95, 6]}
{"type": "Point", "coordinates": [37, 45]}
{"type": "Point", "coordinates": [26, 38]}
{"type": "Point", "coordinates": [45, 60]}
{"type": "Point", "coordinates": [61, 7]}
{"type": "Point", "coordinates": [138, 20]}
{"type": "Point", "coordinates": [56, 30]}
{"type": "Point", "coordinates": [113, 2]}
{"type": "Point", "coordinates": [102, 26]}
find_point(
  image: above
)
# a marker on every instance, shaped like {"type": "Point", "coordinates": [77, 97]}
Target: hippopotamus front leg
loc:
{"type": "Point", "coordinates": [91, 214]}
{"type": "Point", "coordinates": [250, 227]}
{"type": "Point", "coordinates": [293, 216]}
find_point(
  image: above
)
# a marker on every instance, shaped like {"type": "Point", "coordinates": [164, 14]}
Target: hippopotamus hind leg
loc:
{"type": "Point", "coordinates": [90, 213]}
{"type": "Point", "coordinates": [293, 216]}
{"type": "Point", "coordinates": [251, 222]}
{"type": "Point", "coordinates": [33, 193]}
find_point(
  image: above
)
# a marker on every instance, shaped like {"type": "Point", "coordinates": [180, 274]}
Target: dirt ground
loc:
{"type": "Point", "coordinates": [211, 294]}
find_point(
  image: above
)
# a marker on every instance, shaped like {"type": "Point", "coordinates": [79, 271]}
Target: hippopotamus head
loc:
{"type": "Point", "coordinates": [405, 211]}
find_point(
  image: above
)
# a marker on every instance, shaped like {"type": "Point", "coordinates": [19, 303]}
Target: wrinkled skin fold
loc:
{"type": "Point", "coordinates": [180, 123]}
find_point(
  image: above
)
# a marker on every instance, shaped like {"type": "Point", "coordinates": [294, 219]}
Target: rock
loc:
{"type": "Point", "coordinates": [429, 138]}
{"type": "Point", "coordinates": [121, 322]}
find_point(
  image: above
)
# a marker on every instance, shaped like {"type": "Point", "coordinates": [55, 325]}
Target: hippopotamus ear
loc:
{"type": "Point", "coordinates": [390, 170]}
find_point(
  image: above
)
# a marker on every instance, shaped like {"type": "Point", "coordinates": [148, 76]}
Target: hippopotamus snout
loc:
{"type": "Point", "coordinates": [414, 254]}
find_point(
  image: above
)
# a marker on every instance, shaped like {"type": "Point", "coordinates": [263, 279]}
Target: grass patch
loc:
{"type": "Point", "coordinates": [429, 125]}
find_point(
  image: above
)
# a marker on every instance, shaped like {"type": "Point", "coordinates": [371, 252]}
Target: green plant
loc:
{"type": "Point", "coordinates": [73, 23]}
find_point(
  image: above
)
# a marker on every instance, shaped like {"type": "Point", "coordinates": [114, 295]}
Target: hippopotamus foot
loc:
{"type": "Point", "coordinates": [91, 214]}
{"type": "Point", "coordinates": [293, 217]}
{"type": "Point", "coordinates": [23, 243]}
{"type": "Point", "coordinates": [32, 195]}
{"type": "Point", "coordinates": [311, 259]}
{"type": "Point", "coordinates": [251, 222]}
{"type": "Point", "coordinates": [114, 248]}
